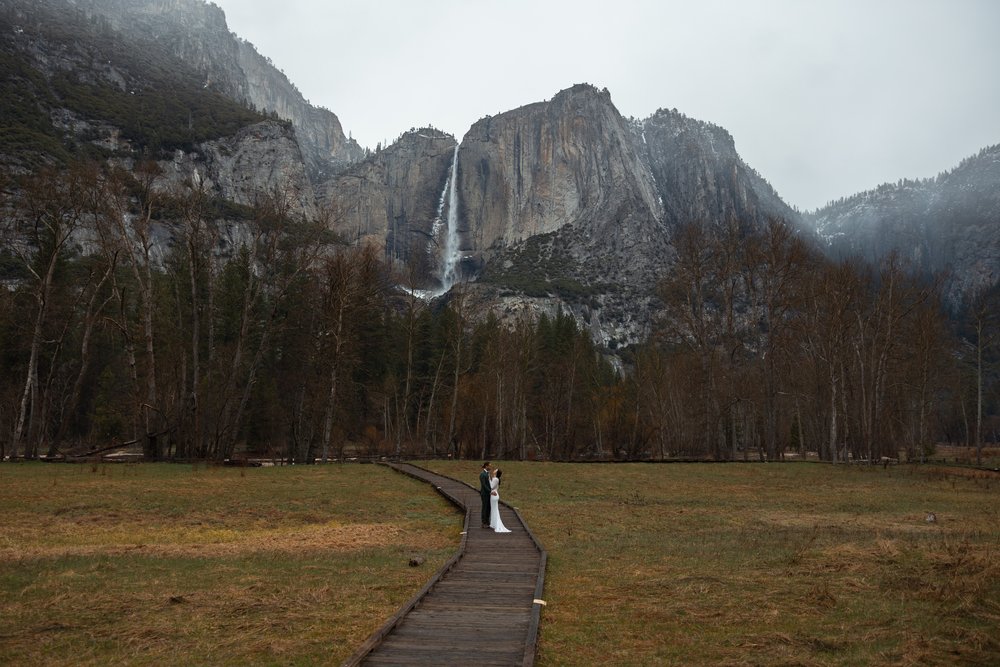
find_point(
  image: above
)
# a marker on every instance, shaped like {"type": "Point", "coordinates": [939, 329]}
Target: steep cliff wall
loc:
{"type": "Point", "coordinates": [83, 88]}
{"type": "Point", "coordinates": [538, 168]}
{"type": "Point", "coordinates": [561, 204]}
{"type": "Point", "coordinates": [259, 160]}
{"type": "Point", "coordinates": [701, 178]}
{"type": "Point", "coordinates": [393, 197]}
{"type": "Point", "coordinates": [558, 201]}
{"type": "Point", "coordinates": [196, 32]}
{"type": "Point", "coordinates": [324, 144]}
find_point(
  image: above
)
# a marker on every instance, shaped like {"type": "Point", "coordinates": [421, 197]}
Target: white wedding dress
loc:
{"type": "Point", "coordinates": [495, 523]}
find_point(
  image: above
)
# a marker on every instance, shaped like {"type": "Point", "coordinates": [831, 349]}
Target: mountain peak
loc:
{"type": "Point", "coordinates": [677, 124]}
{"type": "Point", "coordinates": [583, 90]}
{"type": "Point", "coordinates": [196, 32]}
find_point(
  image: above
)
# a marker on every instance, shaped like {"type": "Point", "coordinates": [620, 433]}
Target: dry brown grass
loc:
{"type": "Point", "coordinates": [797, 564]}
{"type": "Point", "coordinates": [966, 455]}
{"type": "Point", "coordinates": [800, 564]}
{"type": "Point", "coordinates": [216, 542]}
{"type": "Point", "coordinates": [169, 565]}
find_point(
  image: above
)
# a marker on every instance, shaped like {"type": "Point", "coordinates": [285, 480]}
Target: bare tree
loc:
{"type": "Point", "coordinates": [929, 353]}
{"type": "Point", "coordinates": [877, 345]}
{"type": "Point", "coordinates": [833, 294]}
{"type": "Point", "coordinates": [984, 315]}
{"type": "Point", "coordinates": [413, 307]}
{"type": "Point", "coordinates": [457, 302]}
{"type": "Point", "coordinates": [776, 263]}
{"type": "Point", "coordinates": [690, 297]}
{"type": "Point", "coordinates": [92, 301]}
{"type": "Point", "coordinates": [52, 208]}
{"type": "Point", "coordinates": [281, 251]}
{"type": "Point", "coordinates": [198, 238]}
{"type": "Point", "coordinates": [351, 282]}
{"type": "Point", "coordinates": [126, 227]}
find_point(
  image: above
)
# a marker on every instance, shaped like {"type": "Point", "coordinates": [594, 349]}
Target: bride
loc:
{"type": "Point", "coordinates": [495, 523]}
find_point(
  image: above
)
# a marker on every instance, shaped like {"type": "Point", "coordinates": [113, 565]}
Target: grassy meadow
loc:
{"type": "Point", "coordinates": [179, 565]}
{"type": "Point", "coordinates": [761, 564]}
{"type": "Point", "coordinates": [677, 564]}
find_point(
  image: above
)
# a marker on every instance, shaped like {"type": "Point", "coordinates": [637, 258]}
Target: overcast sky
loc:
{"type": "Point", "coordinates": [824, 98]}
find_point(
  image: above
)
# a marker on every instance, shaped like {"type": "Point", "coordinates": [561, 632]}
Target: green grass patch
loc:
{"type": "Point", "coordinates": [179, 565]}
{"type": "Point", "coordinates": [729, 564]}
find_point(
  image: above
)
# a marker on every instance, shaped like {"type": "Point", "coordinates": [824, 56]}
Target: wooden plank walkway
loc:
{"type": "Point", "coordinates": [481, 608]}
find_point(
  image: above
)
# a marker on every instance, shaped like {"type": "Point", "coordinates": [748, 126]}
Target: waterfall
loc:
{"type": "Point", "coordinates": [449, 260]}
{"type": "Point", "coordinates": [438, 220]}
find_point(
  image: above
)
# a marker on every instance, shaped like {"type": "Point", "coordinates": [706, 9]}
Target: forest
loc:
{"type": "Point", "coordinates": [132, 314]}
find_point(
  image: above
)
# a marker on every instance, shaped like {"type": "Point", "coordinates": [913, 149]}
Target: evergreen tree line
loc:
{"type": "Point", "coordinates": [202, 338]}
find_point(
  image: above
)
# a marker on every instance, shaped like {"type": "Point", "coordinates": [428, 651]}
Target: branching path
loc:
{"type": "Point", "coordinates": [481, 608]}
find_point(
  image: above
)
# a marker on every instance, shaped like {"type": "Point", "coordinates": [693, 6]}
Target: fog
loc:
{"type": "Point", "coordinates": [824, 98]}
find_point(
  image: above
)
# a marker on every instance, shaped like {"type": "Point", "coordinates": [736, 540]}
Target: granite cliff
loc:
{"type": "Point", "coordinates": [700, 177]}
{"type": "Point", "coordinates": [560, 204]}
{"type": "Point", "coordinates": [393, 197]}
{"type": "Point", "coordinates": [259, 159]}
{"type": "Point", "coordinates": [197, 34]}
{"type": "Point", "coordinates": [533, 170]}
{"type": "Point", "coordinates": [80, 86]}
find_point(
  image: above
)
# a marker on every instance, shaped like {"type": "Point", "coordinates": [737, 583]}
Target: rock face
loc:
{"type": "Point", "coordinates": [97, 81]}
{"type": "Point", "coordinates": [392, 199]}
{"type": "Point", "coordinates": [944, 224]}
{"type": "Point", "coordinates": [574, 161]}
{"type": "Point", "coordinates": [538, 168]}
{"type": "Point", "coordinates": [561, 204]}
{"type": "Point", "coordinates": [260, 159]}
{"type": "Point", "coordinates": [557, 204]}
{"type": "Point", "coordinates": [319, 132]}
{"type": "Point", "coordinates": [567, 203]}
{"type": "Point", "coordinates": [700, 176]}
{"type": "Point", "coordinates": [196, 32]}
{"type": "Point", "coordinates": [189, 40]}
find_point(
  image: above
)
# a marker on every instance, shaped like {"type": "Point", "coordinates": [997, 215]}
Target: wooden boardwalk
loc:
{"type": "Point", "coordinates": [481, 608]}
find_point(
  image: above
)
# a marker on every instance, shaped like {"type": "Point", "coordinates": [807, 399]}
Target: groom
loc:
{"type": "Point", "coordinates": [484, 493]}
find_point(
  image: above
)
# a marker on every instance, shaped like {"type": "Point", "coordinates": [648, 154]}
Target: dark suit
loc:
{"type": "Point", "coordinates": [484, 492]}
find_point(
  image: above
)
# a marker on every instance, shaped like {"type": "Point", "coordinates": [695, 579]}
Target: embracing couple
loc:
{"type": "Point", "coordinates": [489, 481]}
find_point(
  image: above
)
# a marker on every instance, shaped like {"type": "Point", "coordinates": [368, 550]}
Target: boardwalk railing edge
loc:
{"type": "Point", "coordinates": [376, 637]}
{"type": "Point", "coordinates": [531, 642]}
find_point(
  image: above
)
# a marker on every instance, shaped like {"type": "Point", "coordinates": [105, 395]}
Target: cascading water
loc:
{"type": "Point", "coordinates": [449, 257]}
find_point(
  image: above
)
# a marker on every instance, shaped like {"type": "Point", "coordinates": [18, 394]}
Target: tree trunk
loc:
{"type": "Point", "coordinates": [28, 408]}
{"type": "Point", "coordinates": [90, 318]}
{"type": "Point", "coordinates": [833, 413]}
{"type": "Point", "coordinates": [428, 436]}
{"type": "Point", "coordinates": [331, 399]}
{"type": "Point", "coordinates": [979, 392]}
{"type": "Point", "coordinates": [455, 377]}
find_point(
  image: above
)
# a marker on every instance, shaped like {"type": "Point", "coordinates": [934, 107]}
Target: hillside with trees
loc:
{"type": "Point", "coordinates": [73, 82]}
{"type": "Point", "coordinates": [298, 346]}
